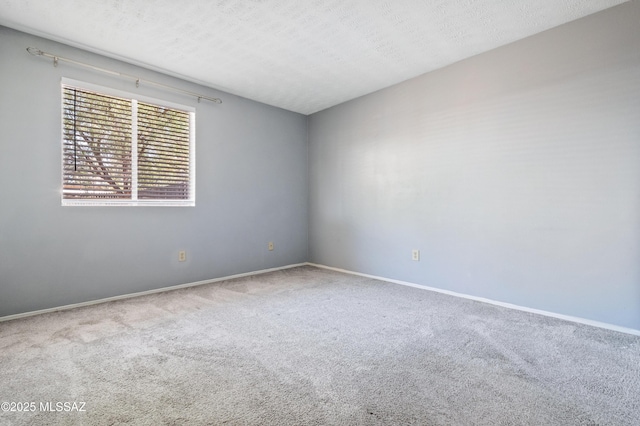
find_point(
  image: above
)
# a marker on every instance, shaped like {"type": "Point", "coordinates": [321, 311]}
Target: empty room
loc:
{"type": "Point", "coordinates": [263, 212]}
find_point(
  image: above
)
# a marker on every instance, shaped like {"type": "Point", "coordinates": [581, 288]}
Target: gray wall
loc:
{"type": "Point", "coordinates": [516, 173]}
{"type": "Point", "coordinates": [251, 188]}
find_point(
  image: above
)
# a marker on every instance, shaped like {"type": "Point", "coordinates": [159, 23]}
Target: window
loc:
{"type": "Point", "coordinates": [123, 151]}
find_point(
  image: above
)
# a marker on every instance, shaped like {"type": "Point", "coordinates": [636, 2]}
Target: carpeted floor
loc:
{"type": "Point", "coordinates": [308, 346]}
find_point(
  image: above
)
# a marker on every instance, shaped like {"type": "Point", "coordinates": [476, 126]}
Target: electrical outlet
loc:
{"type": "Point", "coordinates": [415, 255]}
{"type": "Point", "coordinates": [182, 256]}
{"type": "Point", "coordinates": [270, 246]}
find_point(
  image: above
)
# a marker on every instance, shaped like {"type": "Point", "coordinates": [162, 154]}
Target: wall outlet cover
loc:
{"type": "Point", "coordinates": [415, 255]}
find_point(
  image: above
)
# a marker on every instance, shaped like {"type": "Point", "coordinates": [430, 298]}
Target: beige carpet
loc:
{"type": "Point", "coordinates": [313, 347]}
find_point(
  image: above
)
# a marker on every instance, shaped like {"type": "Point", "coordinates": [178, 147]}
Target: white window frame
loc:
{"type": "Point", "coordinates": [190, 202]}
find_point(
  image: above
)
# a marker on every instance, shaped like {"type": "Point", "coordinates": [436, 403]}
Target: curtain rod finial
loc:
{"type": "Point", "coordinates": [35, 51]}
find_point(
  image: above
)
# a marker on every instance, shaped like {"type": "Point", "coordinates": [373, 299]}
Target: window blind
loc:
{"type": "Point", "coordinates": [121, 149]}
{"type": "Point", "coordinates": [96, 146]}
{"type": "Point", "coordinates": [163, 153]}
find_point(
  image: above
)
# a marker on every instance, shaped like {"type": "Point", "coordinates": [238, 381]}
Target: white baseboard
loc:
{"type": "Point", "coordinates": [263, 271]}
{"type": "Point", "coordinates": [144, 293]}
{"type": "Point", "coordinates": [492, 302]}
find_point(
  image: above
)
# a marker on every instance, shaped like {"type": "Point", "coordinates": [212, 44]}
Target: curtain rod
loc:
{"type": "Point", "coordinates": [37, 52]}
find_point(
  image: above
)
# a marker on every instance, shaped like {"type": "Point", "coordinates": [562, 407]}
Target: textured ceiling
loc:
{"type": "Point", "coordinates": [299, 55]}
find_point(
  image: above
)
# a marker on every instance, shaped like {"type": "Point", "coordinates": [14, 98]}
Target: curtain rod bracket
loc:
{"type": "Point", "coordinates": [55, 61]}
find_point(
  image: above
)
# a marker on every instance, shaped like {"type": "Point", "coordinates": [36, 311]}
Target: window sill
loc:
{"type": "Point", "coordinates": [127, 203]}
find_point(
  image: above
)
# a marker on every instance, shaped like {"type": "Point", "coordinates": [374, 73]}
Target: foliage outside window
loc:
{"type": "Point", "coordinates": [123, 151]}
